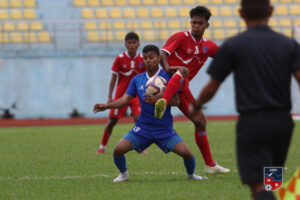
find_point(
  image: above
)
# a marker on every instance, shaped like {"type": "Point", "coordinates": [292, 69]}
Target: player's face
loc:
{"type": "Point", "coordinates": [151, 61]}
{"type": "Point", "coordinates": [198, 25]}
{"type": "Point", "coordinates": [132, 45]}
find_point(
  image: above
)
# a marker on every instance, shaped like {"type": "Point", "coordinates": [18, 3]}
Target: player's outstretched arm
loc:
{"type": "Point", "coordinates": [174, 101]}
{"type": "Point", "coordinates": [116, 104]}
{"type": "Point", "coordinates": [112, 84]}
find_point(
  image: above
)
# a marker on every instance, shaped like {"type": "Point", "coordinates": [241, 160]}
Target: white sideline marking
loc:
{"type": "Point", "coordinates": [68, 177]}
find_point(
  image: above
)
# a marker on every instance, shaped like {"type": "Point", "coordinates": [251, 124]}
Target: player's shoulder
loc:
{"type": "Point", "coordinates": [209, 42]}
{"type": "Point", "coordinates": [121, 55]}
{"type": "Point", "coordinates": [164, 74]}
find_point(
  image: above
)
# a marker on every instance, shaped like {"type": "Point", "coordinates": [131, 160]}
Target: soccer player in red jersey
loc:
{"type": "Point", "coordinates": [125, 66]}
{"type": "Point", "coordinates": [185, 53]}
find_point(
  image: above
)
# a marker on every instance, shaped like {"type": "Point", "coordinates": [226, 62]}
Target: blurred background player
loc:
{"type": "Point", "coordinates": [263, 62]}
{"type": "Point", "coordinates": [148, 129]}
{"type": "Point", "coordinates": [186, 52]}
{"type": "Point", "coordinates": [125, 66]}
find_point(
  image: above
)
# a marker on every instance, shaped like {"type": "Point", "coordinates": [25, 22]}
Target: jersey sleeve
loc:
{"type": "Point", "coordinates": [296, 58]}
{"type": "Point", "coordinates": [115, 66]}
{"type": "Point", "coordinates": [222, 65]}
{"type": "Point", "coordinates": [213, 49]}
{"type": "Point", "coordinates": [131, 90]}
{"type": "Point", "coordinates": [172, 43]}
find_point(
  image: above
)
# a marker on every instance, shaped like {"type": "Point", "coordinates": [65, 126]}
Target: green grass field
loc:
{"type": "Point", "coordinates": [61, 163]}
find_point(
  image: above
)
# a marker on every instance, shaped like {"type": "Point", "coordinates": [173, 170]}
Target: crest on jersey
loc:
{"type": "Point", "coordinates": [140, 64]}
{"type": "Point", "coordinates": [204, 49]}
{"type": "Point", "coordinates": [273, 177]}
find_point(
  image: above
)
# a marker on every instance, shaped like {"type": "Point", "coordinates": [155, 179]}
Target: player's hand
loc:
{"type": "Point", "coordinates": [99, 107]}
{"type": "Point", "coordinates": [173, 69]}
{"type": "Point", "coordinates": [150, 99]}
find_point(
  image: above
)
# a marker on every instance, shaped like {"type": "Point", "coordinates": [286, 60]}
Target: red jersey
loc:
{"type": "Point", "coordinates": [126, 68]}
{"type": "Point", "coordinates": [184, 50]}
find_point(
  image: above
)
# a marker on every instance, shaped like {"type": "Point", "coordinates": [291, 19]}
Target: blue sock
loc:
{"type": "Point", "coordinates": [120, 162]}
{"type": "Point", "coordinates": [190, 165]}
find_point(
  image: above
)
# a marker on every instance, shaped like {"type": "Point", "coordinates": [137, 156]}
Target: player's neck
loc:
{"type": "Point", "coordinates": [152, 72]}
{"type": "Point", "coordinates": [197, 37]}
{"type": "Point", "coordinates": [251, 23]}
{"type": "Point", "coordinates": [131, 54]}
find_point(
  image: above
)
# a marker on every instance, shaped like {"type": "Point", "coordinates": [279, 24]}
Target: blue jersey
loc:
{"type": "Point", "coordinates": [146, 119]}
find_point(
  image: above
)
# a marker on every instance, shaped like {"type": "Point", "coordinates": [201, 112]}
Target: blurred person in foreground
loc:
{"type": "Point", "coordinates": [125, 67]}
{"type": "Point", "coordinates": [148, 129]}
{"type": "Point", "coordinates": [263, 62]}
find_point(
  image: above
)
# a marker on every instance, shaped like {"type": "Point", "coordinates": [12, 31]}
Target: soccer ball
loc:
{"type": "Point", "coordinates": [155, 85]}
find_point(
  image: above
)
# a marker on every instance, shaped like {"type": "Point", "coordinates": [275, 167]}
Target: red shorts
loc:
{"type": "Point", "coordinates": [134, 105]}
{"type": "Point", "coordinates": [186, 97]}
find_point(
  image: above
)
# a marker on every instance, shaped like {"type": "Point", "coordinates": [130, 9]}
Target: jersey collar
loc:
{"type": "Point", "coordinates": [154, 74]}
{"type": "Point", "coordinates": [136, 55]}
{"type": "Point", "coordinates": [194, 38]}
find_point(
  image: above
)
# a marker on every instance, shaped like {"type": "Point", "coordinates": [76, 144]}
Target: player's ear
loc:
{"type": "Point", "coordinates": [207, 25]}
{"type": "Point", "coordinates": [241, 12]}
{"type": "Point", "coordinates": [271, 9]}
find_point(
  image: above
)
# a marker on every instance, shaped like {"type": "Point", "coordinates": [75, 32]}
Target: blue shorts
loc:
{"type": "Point", "coordinates": [140, 143]}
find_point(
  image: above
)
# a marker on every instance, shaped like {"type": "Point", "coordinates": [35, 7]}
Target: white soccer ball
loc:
{"type": "Point", "coordinates": [155, 85]}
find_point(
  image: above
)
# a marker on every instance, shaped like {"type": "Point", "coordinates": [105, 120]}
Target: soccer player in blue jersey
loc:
{"type": "Point", "coordinates": [148, 129]}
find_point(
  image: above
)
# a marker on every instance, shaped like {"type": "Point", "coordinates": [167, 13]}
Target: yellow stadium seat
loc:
{"type": "Point", "coordinates": [29, 14]}
{"type": "Point", "coordinates": [203, 2]}
{"type": "Point", "coordinates": [107, 36]}
{"type": "Point", "coordinates": [146, 24]}
{"type": "Point", "coordinates": [142, 12]}
{"type": "Point", "coordinates": [231, 32]}
{"type": "Point", "coordinates": [93, 3]}
{"type": "Point", "coordinates": [175, 2]}
{"type": "Point", "coordinates": [104, 25]}
{"type": "Point", "coordinates": [148, 2]}
{"type": "Point", "coordinates": [160, 24]}
{"type": "Point", "coordinates": [29, 37]}
{"type": "Point", "coordinates": [149, 35]}
{"type": "Point", "coordinates": [189, 1]}
{"type": "Point", "coordinates": [281, 10]}
{"type": "Point", "coordinates": [120, 35]}
{"type": "Point", "coordinates": [173, 31]}
{"type": "Point", "coordinates": [230, 1]}
{"type": "Point", "coordinates": [3, 4]}
{"type": "Point", "coordinates": [297, 21]}
{"type": "Point", "coordinates": [9, 26]}
{"type": "Point", "coordinates": [43, 36]}
{"type": "Point", "coordinates": [171, 12]}
{"type": "Point", "coordinates": [115, 13]}
{"type": "Point", "coordinates": [230, 23]}
{"type": "Point", "coordinates": [287, 32]}
{"type": "Point", "coordinates": [121, 2]}
{"type": "Point", "coordinates": [218, 34]}
{"type": "Point", "coordinates": [129, 12]}
{"type": "Point", "coordinates": [118, 24]}
{"type": "Point", "coordinates": [207, 34]}
{"type": "Point", "coordinates": [273, 22]}
{"type": "Point", "coordinates": [15, 3]}
{"type": "Point", "coordinates": [132, 25]}
{"type": "Point", "coordinates": [93, 36]}
{"type": "Point", "coordinates": [226, 11]}
{"type": "Point", "coordinates": [90, 25]}
{"type": "Point", "coordinates": [214, 10]}
{"type": "Point", "coordinates": [15, 14]}
{"type": "Point", "coordinates": [163, 35]}
{"type": "Point", "coordinates": [79, 2]}
{"type": "Point", "coordinates": [217, 23]}
{"type": "Point", "coordinates": [184, 11]}
{"type": "Point", "coordinates": [4, 38]}
{"type": "Point", "coordinates": [22, 26]}
{"type": "Point", "coordinates": [16, 37]}
{"type": "Point", "coordinates": [295, 9]}
{"type": "Point", "coordinates": [101, 13]}
{"type": "Point", "coordinates": [156, 12]}
{"type": "Point", "coordinates": [236, 11]}
{"type": "Point", "coordinates": [134, 2]}
{"type": "Point", "coordinates": [87, 13]}
{"type": "Point", "coordinates": [108, 2]}
{"type": "Point", "coordinates": [162, 2]}
{"type": "Point", "coordinates": [29, 3]}
{"type": "Point", "coordinates": [3, 14]}
{"type": "Point", "coordinates": [186, 24]}
{"type": "Point", "coordinates": [242, 24]}
{"type": "Point", "coordinates": [274, 1]}
{"type": "Point", "coordinates": [285, 22]}
{"type": "Point", "coordinates": [36, 26]}
{"type": "Point", "coordinates": [286, 1]}
{"type": "Point", "coordinates": [297, 1]}
{"type": "Point", "coordinates": [174, 24]}
{"type": "Point", "coordinates": [216, 1]}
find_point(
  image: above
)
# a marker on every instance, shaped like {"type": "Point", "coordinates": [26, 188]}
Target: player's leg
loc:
{"type": "Point", "coordinates": [114, 116]}
{"type": "Point", "coordinates": [172, 87]}
{"type": "Point", "coordinates": [200, 133]}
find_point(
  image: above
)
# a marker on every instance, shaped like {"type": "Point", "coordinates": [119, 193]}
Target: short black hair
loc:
{"type": "Point", "coordinates": [201, 11]}
{"type": "Point", "coordinates": [132, 35]}
{"type": "Point", "coordinates": [152, 48]}
{"type": "Point", "coordinates": [256, 9]}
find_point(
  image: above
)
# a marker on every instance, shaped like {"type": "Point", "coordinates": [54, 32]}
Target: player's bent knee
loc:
{"type": "Point", "coordinates": [184, 71]}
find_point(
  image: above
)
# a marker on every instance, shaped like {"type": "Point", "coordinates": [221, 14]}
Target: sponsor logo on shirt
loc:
{"type": "Point", "coordinates": [124, 66]}
{"type": "Point", "coordinates": [136, 129]}
{"type": "Point", "coordinates": [141, 87]}
{"type": "Point", "coordinates": [189, 51]}
{"type": "Point", "coordinates": [140, 64]}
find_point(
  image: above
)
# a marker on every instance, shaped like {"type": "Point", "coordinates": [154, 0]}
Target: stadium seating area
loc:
{"type": "Point", "coordinates": [25, 21]}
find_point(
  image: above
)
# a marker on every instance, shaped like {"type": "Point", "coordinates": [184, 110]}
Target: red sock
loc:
{"type": "Point", "coordinates": [203, 145]}
{"type": "Point", "coordinates": [172, 87]}
{"type": "Point", "coordinates": [105, 138]}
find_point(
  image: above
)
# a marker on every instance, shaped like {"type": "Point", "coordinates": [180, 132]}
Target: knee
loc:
{"type": "Point", "coordinates": [187, 155]}
{"type": "Point", "coordinates": [118, 151]}
{"type": "Point", "coordinates": [200, 123]}
{"type": "Point", "coordinates": [184, 71]}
